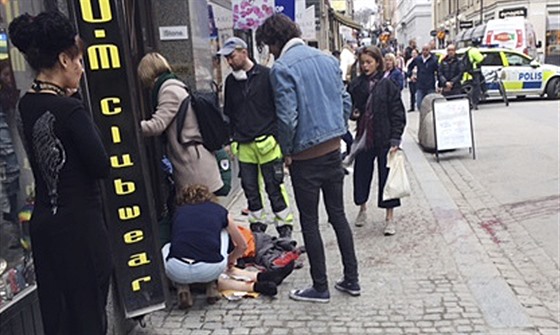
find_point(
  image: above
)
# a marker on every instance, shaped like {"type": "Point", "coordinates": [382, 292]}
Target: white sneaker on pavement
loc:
{"type": "Point", "coordinates": [390, 228]}
{"type": "Point", "coordinates": [361, 218]}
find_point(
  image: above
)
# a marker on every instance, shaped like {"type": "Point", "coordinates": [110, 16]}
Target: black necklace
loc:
{"type": "Point", "coordinates": [39, 85]}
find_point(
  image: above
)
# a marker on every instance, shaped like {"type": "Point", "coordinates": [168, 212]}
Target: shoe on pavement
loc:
{"type": "Point", "coordinates": [390, 228]}
{"type": "Point", "coordinates": [411, 110]}
{"type": "Point", "coordinates": [285, 231]}
{"type": "Point", "coordinates": [310, 294]}
{"type": "Point", "coordinates": [350, 287]}
{"type": "Point", "coordinates": [361, 218]}
{"type": "Point", "coordinates": [184, 296]}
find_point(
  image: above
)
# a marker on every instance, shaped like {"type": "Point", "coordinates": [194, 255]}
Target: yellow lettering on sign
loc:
{"type": "Point", "coordinates": [138, 260]}
{"type": "Point", "coordinates": [116, 134]}
{"type": "Point", "coordinates": [124, 188]}
{"type": "Point", "coordinates": [136, 283]}
{"type": "Point", "coordinates": [111, 106]}
{"type": "Point", "coordinates": [133, 236]}
{"type": "Point", "coordinates": [104, 9]}
{"type": "Point", "coordinates": [129, 213]}
{"type": "Point", "coordinates": [107, 54]}
{"type": "Point", "coordinates": [126, 161]}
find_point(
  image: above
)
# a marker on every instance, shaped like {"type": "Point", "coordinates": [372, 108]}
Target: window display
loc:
{"type": "Point", "coordinates": [16, 181]}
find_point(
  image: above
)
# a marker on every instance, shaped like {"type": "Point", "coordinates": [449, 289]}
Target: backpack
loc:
{"type": "Point", "coordinates": [211, 121]}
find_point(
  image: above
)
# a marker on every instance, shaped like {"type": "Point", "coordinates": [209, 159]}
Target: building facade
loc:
{"type": "Point", "coordinates": [413, 21]}
{"type": "Point", "coordinates": [544, 15]}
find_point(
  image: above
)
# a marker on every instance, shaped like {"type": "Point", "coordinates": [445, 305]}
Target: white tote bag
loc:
{"type": "Point", "coordinates": [397, 185]}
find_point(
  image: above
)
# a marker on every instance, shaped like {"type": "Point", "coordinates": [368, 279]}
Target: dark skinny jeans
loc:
{"type": "Point", "coordinates": [309, 178]}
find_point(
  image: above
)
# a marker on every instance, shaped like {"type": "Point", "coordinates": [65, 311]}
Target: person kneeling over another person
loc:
{"type": "Point", "coordinates": [198, 251]}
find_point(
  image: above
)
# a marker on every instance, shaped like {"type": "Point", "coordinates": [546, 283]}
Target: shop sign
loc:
{"type": "Point", "coordinates": [466, 24]}
{"type": "Point", "coordinates": [173, 33]}
{"type": "Point", "coordinates": [129, 211]}
{"type": "Point", "coordinates": [286, 7]}
{"type": "Point", "coordinates": [512, 12]}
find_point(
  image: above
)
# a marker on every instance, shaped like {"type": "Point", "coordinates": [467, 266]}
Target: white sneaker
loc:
{"type": "Point", "coordinates": [390, 228]}
{"type": "Point", "coordinates": [361, 219]}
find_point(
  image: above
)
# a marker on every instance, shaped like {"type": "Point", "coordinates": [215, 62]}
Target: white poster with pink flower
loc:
{"type": "Point", "coordinates": [249, 14]}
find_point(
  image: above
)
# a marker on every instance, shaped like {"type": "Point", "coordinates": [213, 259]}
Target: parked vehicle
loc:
{"type": "Point", "coordinates": [515, 33]}
{"type": "Point", "coordinates": [521, 75]}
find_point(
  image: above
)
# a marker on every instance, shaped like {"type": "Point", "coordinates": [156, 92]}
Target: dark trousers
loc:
{"type": "Point", "coordinates": [273, 176]}
{"type": "Point", "coordinates": [420, 94]}
{"type": "Point", "coordinates": [412, 88]}
{"type": "Point", "coordinates": [73, 271]}
{"type": "Point", "coordinates": [348, 139]}
{"type": "Point", "coordinates": [477, 88]}
{"type": "Point", "coordinates": [309, 178]}
{"type": "Point", "coordinates": [363, 175]}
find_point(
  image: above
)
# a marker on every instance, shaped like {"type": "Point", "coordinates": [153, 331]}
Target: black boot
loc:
{"type": "Point", "coordinates": [258, 227]}
{"type": "Point", "coordinates": [285, 231]}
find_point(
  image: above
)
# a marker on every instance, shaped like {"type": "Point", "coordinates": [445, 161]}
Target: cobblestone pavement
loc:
{"type": "Point", "coordinates": [443, 273]}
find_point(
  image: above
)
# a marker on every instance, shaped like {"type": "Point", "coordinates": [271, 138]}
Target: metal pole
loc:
{"type": "Point", "coordinates": [481, 8]}
{"type": "Point", "coordinates": [456, 18]}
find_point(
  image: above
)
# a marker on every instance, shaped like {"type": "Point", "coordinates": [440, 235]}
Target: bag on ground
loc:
{"type": "Point", "coordinates": [397, 185]}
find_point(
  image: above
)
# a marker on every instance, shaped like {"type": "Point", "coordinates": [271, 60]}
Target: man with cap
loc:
{"type": "Point", "coordinates": [249, 104]}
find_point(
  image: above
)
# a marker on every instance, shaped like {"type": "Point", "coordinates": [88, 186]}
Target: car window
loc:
{"type": "Point", "coordinates": [517, 60]}
{"type": "Point", "coordinates": [492, 59]}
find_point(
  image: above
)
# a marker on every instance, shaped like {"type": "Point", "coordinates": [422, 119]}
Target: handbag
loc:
{"type": "Point", "coordinates": [397, 185]}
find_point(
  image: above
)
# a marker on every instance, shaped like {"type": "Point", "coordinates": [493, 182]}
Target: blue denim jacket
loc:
{"type": "Point", "coordinates": [311, 103]}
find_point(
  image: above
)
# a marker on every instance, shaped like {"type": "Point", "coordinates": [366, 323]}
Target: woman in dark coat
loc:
{"type": "Point", "coordinates": [70, 242]}
{"type": "Point", "coordinates": [381, 120]}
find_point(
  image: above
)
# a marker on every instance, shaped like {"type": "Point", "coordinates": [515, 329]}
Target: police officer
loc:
{"type": "Point", "coordinates": [473, 59]}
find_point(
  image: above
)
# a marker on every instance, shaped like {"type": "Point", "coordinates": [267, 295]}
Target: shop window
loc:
{"type": "Point", "coordinates": [16, 180]}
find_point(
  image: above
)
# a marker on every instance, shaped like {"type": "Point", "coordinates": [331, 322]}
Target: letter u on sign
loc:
{"type": "Point", "coordinates": [104, 9]}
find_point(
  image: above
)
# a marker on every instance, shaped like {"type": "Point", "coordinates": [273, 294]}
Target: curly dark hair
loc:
{"type": "Point", "coordinates": [43, 37]}
{"type": "Point", "coordinates": [376, 54]}
{"type": "Point", "coordinates": [195, 194]}
{"type": "Point", "coordinates": [277, 29]}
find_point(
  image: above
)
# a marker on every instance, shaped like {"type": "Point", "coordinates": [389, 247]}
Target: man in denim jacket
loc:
{"type": "Point", "coordinates": [312, 107]}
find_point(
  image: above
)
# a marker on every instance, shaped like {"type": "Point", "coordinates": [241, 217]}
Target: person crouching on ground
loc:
{"type": "Point", "coordinates": [198, 251]}
{"type": "Point", "coordinates": [382, 120]}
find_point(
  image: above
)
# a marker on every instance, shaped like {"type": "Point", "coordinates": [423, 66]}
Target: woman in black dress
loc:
{"type": "Point", "coordinates": [68, 234]}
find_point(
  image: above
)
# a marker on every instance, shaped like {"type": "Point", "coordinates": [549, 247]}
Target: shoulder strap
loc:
{"type": "Point", "coordinates": [182, 114]}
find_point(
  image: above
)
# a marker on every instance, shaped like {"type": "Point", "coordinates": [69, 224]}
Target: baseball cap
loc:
{"type": "Point", "coordinates": [232, 44]}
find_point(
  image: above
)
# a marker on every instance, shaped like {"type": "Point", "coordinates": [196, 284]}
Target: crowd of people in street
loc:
{"type": "Point", "coordinates": [291, 116]}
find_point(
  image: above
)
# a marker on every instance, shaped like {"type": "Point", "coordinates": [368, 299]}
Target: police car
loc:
{"type": "Point", "coordinates": [520, 74]}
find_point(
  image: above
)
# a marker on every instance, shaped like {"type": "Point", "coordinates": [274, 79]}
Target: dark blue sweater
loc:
{"type": "Point", "coordinates": [427, 72]}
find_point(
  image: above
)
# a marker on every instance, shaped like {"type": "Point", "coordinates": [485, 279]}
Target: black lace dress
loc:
{"type": "Point", "coordinates": [68, 234]}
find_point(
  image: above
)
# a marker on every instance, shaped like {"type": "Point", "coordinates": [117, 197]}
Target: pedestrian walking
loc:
{"type": "Point", "coordinates": [392, 72]}
{"type": "Point", "coordinates": [412, 77]}
{"type": "Point", "coordinates": [71, 251]}
{"type": "Point", "coordinates": [427, 66]}
{"type": "Point", "coordinates": [381, 121]}
{"type": "Point", "coordinates": [192, 163]}
{"type": "Point", "coordinates": [408, 50]}
{"type": "Point", "coordinates": [450, 73]}
{"type": "Point", "coordinates": [249, 104]}
{"type": "Point", "coordinates": [313, 109]}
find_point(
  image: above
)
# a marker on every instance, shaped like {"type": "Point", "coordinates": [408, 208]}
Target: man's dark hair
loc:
{"type": "Point", "coordinates": [277, 29]}
{"type": "Point", "coordinates": [336, 53]}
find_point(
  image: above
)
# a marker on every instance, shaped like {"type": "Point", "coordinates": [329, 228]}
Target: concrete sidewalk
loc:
{"type": "Point", "coordinates": [434, 276]}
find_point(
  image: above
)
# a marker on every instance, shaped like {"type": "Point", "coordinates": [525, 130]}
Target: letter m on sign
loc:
{"type": "Point", "coordinates": [104, 56]}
